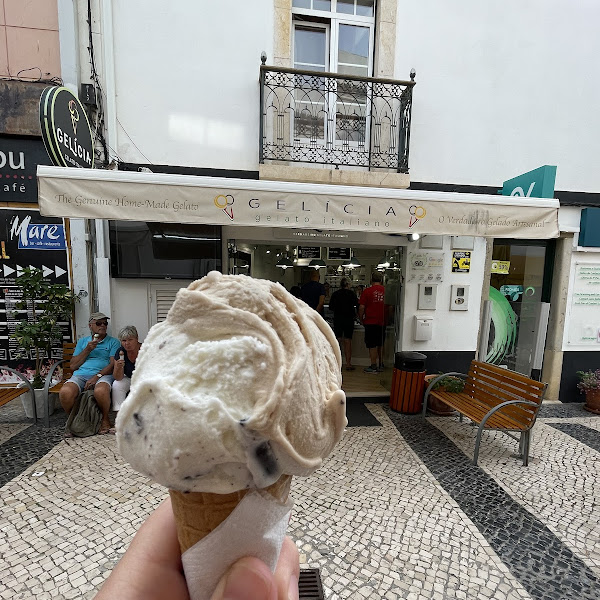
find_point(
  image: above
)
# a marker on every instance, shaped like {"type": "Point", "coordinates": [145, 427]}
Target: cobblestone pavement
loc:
{"type": "Point", "coordinates": [397, 512]}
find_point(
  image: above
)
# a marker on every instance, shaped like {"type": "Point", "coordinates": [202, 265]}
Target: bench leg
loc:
{"type": "Point", "coordinates": [524, 443]}
{"type": "Point", "coordinates": [477, 443]}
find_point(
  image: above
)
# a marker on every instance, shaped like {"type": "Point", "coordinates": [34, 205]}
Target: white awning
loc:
{"type": "Point", "coordinates": [132, 196]}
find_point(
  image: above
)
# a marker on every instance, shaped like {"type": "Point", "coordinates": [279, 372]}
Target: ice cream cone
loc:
{"type": "Point", "coordinates": [199, 513]}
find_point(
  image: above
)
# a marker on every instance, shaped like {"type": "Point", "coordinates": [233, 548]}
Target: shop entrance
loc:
{"type": "Point", "coordinates": [293, 266]}
{"type": "Point", "coordinates": [520, 285]}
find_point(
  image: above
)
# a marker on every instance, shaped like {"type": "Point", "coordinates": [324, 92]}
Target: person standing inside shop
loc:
{"type": "Point", "coordinates": [371, 312]}
{"type": "Point", "coordinates": [344, 304]}
{"type": "Point", "coordinates": [313, 292]}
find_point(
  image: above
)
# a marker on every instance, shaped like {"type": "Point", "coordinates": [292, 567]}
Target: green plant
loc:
{"type": "Point", "coordinates": [451, 384]}
{"type": "Point", "coordinates": [46, 305]}
{"type": "Point", "coordinates": [588, 380]}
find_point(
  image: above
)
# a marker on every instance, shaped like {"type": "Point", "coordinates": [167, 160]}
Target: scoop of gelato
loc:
{"type": "Point", "coordinates": [239, 385]}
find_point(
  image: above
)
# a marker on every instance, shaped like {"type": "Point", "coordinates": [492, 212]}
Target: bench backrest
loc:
{"type": "Point", "coordinates": [68, 349]}
{"type": "Point", "coordinates": [492, 385]}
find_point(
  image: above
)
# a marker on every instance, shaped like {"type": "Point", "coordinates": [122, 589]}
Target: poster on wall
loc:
{"type": "Point", "coordinates": [28, 240]}
{"type": "Point", "coordinates": [461, 261]}
{"type": "Point", "coordinates": [425, 266]}
{"type": "Point", "coordinates": [584, 321]}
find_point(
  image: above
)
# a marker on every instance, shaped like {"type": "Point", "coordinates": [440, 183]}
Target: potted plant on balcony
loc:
{"type": "Point", "coordinates": [589, 384]}
{"type": "Point", "coordinates": [450, 384]}
{"type": "Point", "coordinates": [46, 304]}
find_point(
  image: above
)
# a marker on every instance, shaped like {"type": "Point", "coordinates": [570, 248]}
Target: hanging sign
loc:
{"type": "Point", "coordinates": [461, 261]}
{"type": "Point", "coordinates": [502, 267]}
{"type": "Point", "coordinates": [65, 129]}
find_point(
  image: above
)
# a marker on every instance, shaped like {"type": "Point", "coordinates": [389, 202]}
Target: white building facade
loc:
{"type": "Point", "coordinates": [500, 89]}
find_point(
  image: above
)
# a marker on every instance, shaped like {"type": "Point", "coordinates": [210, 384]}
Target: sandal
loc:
{"type": "Point", "coordinates": [104, 430]}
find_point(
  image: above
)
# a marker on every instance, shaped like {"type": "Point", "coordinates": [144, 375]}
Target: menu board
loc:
{"type": "Point", "coordinates": [28, 240]}
{"type": "Point", "coordinates": [309, 251]}
{"type": "Point", "coordinates": [339, 253]}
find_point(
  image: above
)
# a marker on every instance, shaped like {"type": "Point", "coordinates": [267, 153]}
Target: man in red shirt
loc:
{"type": "Point", "coordinates": [371, 312]}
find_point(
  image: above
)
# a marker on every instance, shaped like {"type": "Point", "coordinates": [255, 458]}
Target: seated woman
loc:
{"type": "Point", "coordinates": [125, 358]}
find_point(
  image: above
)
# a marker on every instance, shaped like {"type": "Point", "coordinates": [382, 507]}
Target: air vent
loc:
{"type": "Point", "coordinates": [309, 585]}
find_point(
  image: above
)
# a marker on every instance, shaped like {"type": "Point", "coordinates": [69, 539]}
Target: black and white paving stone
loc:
{"type": "Point", "coordinates": [397, 512]}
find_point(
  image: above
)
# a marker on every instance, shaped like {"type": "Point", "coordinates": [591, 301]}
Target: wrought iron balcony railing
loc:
{"type": "Point", "coordinates": [325, 118]}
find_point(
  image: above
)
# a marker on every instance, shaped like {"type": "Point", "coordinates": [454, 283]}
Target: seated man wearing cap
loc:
{"type": "Point", "coordinates": [92, 365]}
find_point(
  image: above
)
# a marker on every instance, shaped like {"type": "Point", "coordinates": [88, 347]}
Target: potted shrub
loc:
{"type": "Point", "coordinates": [589, 384]}
{"type": "Point", "coordinates": [46, 304]}
{"type": "Point", "coordinates": [447, 384]}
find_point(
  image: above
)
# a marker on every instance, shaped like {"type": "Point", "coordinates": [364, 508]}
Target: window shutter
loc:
{"type": "Point", "coordinates": [161, 300]}
{"type": "Point", "coordinates": [164, 301]}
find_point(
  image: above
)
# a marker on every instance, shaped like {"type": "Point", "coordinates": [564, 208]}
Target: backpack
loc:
{"type": "Point", "coordinates": [85, 416]}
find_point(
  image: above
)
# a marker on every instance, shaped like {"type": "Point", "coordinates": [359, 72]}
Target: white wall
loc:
{"type": "Point", "coordinates": [503, 86]}
{"type": "Point", "coordinates": [452, 330]}
{"type": "Point", "coordinates": [186, 76]}
{"type": "Point", "coordinates": [131, 303]}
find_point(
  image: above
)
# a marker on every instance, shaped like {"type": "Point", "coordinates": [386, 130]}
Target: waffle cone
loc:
{"type": "Point", "coordinates": [198, 513]}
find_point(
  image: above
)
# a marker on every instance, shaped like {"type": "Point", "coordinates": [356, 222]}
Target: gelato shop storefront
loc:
{"type": "Point", "coordinates": [431, 248]}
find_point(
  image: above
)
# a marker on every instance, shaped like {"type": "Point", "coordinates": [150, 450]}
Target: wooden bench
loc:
{"type": "Point", "coordinates": [67, 372]}
{"type": "Point", "coordinates": [11, 391]}
{"type": "Point", "coordinates": [496, 399]}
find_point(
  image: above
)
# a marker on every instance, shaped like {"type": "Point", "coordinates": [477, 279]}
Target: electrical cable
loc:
{"type": "Point", "coordinates": [99, 134]}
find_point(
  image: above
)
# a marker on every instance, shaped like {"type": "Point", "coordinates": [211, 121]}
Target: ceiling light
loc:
{"type": "Point", "coordinates": [384, 263]}
{"type": "Point", "coordinates": [353, 263]}
{"type": "Point", "coordinates": [317, 263]}
{"type": "Point", "coordinates": [284, 263]}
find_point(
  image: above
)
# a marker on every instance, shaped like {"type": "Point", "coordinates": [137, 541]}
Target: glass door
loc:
{"type": "Point", "coordinates": [520, 284]}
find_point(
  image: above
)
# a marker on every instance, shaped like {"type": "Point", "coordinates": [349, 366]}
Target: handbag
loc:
{"type": "Point", "coordinates": [85, 417]}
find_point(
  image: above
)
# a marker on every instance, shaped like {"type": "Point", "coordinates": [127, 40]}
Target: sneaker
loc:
{"type": "Point", "coordinates": [371, 370]}
{"type": "Point", "coordinates": [380, 368]}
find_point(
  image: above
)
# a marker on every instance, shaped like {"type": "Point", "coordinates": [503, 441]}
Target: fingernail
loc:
{"type": "Point", "coordinates": [293, 591]}
{"type": "Point", "coordinates": [244, 583]}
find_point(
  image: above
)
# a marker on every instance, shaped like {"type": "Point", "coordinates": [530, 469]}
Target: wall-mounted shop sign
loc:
{"type": "Point", "coordinates": [129, 196]}
{"type": "Point", "coordinates": [584, 314]}
{"type": "Point", "coordinates": [589, 228]}
{"type": "Point", "coordinates": [19, 158]}
{"type": "Point", "coordinates": [28, 240]}
{"type": "Point", "coordinates": [461, 261]}
{"type": "Point", "coordinates": [309, 252]}
{"type": "Point", "coordinates": [65, 129]}
{"type": "Point", "coordinates": [502, 267]}
{"type": "Point", "coordinates": [339, 253]}
{"type": "Point", "coordinates": [538, 183]}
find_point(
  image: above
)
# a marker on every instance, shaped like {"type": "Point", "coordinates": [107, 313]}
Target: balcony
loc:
{"type": "Point", "coordinates": [335, 120]}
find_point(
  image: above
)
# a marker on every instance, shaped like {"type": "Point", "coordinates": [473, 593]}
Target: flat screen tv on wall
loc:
{"type": "Point", "coordinates": [163, 250]}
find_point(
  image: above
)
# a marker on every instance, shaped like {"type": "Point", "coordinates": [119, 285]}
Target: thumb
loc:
{"type": "Point", "coordinates": [248, 579]}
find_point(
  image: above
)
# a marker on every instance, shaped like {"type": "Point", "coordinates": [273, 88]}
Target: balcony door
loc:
{"type": "Point", "coordinates": [333, 36]}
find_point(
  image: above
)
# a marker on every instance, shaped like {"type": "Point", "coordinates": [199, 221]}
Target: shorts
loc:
{"type": "Point", "coordinates": [343, 328]}
{"type": "Point", "coordinates": [81, 381]}
{"type": "Point", "coordinates": [374, 335]}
